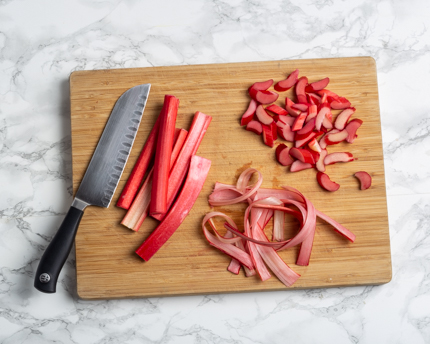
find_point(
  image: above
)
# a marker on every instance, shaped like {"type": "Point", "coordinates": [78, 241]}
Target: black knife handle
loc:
{"type": "Point", "coordinates": [57, 252]}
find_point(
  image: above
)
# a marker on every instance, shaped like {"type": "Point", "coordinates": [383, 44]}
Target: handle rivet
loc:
{"type": "Point", "coordinates": [44, 278]}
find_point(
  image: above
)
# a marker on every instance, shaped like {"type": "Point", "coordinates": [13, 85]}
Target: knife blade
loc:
{"type": "Point", "coordinates": [99, 182]}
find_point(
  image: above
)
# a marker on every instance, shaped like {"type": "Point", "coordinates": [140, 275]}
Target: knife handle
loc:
{"type": "Point", "coordinates": [57, 252]}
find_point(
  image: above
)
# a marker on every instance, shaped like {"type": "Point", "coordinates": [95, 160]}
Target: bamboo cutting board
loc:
{"type": "Point", "coordinates": [107, 266]}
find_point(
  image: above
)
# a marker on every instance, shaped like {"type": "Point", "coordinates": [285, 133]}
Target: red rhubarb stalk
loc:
{"type": "Point", "coordinates": [138, 173]}
{"type": "Point", "coordinates": [198, 171]}
{"type": "Point", "coordinates": [162, 155]}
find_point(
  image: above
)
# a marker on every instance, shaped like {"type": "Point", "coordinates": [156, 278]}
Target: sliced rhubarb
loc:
{"type": "Point", "coordinates": [286, 119]}
{"type": "Point", "coordinates": [320, 163]}
{"type": "Point", "coordinates": [317, 85]}
{"type": "Point", "coordinates": [309, 127]}
{"type": "Point", "coordinates": [333, 158]}
{"type": "Point", "coordinates": [314, 98]}
{"type": "Point", "coordinates": [335, 138]}
{"type": "Point", "coordinates": [268, 137]}
{"type": "Point", "coordinates": [352, 128]}
{"type": "Point", "coordinates": [137, 174]}
{"type": "Point", "coordinates": [297, 166]}
{"type": "Point", "coordinates": [286, 133]}
{"type": "Point", "coordinates": [255, 127]}
{"type": "Point", "coordinates": [325, 182]}
{"type": "Point", "coordinates": [300, 120]}
{"type": "Point", "coordinates": [300, 140]}
{"type": "Point", "coordinates": [198, 171]}
{"type": "Point", "coordinates": [340, 103]}
{"type": "Point", "coordinates": [177, 175]}
{"type": "Point", "coordinates": [266, 97]}
{"type": "Point", "coordinates": [315, 154]}
{"type": "Point", "coordinates": [263, 116]}
{"type": "Point", "coordinates": [329, 95]}
{"type": "Point", "coordinates": [274, 128]}
{"type": "Point", "coordinates": [300, 89]}
{"type": "Point", "coordinates": [314, 145]}
{"type": "Point", "coordinates": [276, 109]}
{"type": "Point", "coordinates": [322, 116]}
{"type": "Point", "coordinates": [261, 85]}
{"type": "Point", "coordinates": [283, 156]}
{"type": "Point", "coordinates": [364, 178]}
{"type": "Point", "coordinates": [163, 154]}
{"type": "Point", "coordinates": [312, 112]}
{"type": "Point", "coordinates": [249, 113]}
{"type": "Point", "coordinates": [343, 118]}
{"type": "Point", "coordinates": [285, 85]}
{"type": "Point", "coordinates": [301, 107]}
{"type": "Point", "coordinates": [302, 154]}
{"type": "Point", "coordinates": [288, 106]}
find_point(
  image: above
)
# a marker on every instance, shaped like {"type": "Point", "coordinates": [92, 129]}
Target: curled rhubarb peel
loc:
{"type": "Point", "coordinates": [317, 85]}
{"type": "Point", "coordinates": [325, 182]}
{"type": "Point", "coordinates": [300, 90]}
{"type": "Point", "coordinates": [290, 81]}
{"type": "Point", "coordinates": [255, 127]}
{"type": "Point", "coordinates": [249, 113]}
{"type": "Point", "coordinates": [263, 116]}
{"type": "Point", "coordinates": [364, 178]}
{"type": "Point", "coordinates": [333, 158]}
{"type": "Point", "coordinates": [282, 155]}
{"type": "Point", "coordinates": [198, 171]}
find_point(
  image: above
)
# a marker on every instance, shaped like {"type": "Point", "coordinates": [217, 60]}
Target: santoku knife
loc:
{"type": "Point", "coordinates": [99, 182]}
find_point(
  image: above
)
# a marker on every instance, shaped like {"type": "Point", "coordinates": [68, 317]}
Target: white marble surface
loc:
{"type": "Point", "coordinates": [42, 42]}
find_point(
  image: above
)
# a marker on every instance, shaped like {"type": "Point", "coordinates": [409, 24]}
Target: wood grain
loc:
{"type": "Point", "coordinates": [107, 266]}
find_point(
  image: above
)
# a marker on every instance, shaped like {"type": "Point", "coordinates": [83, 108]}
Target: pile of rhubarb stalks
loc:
{"type": "Point", "coordinates": [309, 123]}
{"type": "Point", "coordinates": [167, 177]}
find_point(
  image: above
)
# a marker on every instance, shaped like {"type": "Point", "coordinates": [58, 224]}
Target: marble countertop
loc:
{"type": "Point", "coordinates": [42, 42]}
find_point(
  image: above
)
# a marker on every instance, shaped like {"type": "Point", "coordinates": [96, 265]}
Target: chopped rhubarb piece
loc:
{"type": "Point", "coordinates": [255, 127]}
{"type": "Point", "coordinates": [330, 96]}
{"type": "Point", "coordinates": [301, 107]}
{"type": "Point", "coordinates": [312, 112]}
{"type": "Point", "coordinates": [322, 140]}
{"type": "Point", "coordinates": [300, 89]}
{"type": "Point", "coordinates": [314, 98]}
{"type": "Point", "coordinates": [263, 116]}
{"type": "Point", "coordinates": [302, 154]}
{"type": "Point", "coordinates": [298, 123]}
{"type": "Point", "coordinates": [285, 85]}
{"type": "Point", "coordinates": [259, 86]}
{"type": "Point", "coordinates": [310, 126]}
{"type": "Point", "coordinates": [177, 175]}
{"type": "Point", "coordinates": [343, 118]}
{"type": "Point", "coordinates": [139, 209]}
{"type": "Point", "coordinates": [162, 155]}
{"type": "Point", "coordinates": [352, 128]}
{"type": "Point", "coordinates": [335, 138]}
{"type": "Point", "coordinates": [321, 116]}
{"type": "Point", "coordinates": [364, 178]}
{"type": "Point", "coordinates": [282, 155]}
{"type": "Point", "coordinates": [276, 109]}
{"type": "Point", "coordinates": [320, 163]}
{"type": "Point", "coordinates": [266, 97]}
{"type": "Point", "coordinates": [297, 166]}
{"type": "Point", "coordinates": [198, 171]}
{"type": "Point", "coordinates": [301, 141]}
{"type": "Point", "coordinates": [268, 138]}
{"type": "Point", "coordinates": [333, 158]}
{"type": "Point", "coordinates": [288, 106]}
{"type": "Point", "coordinates": [340, 103]}
{"type": "Point", "coordinates": [286, 133]}
{"type": "Point", "coordinates": [249, 113]}
{"type": "Point", "coordinates": [286, 120]}
{"type": "Point", "coordinates": [274, 130]}
{"type": "Point", "coordinates": [314, 145]}
{"type": "Point", "coordinates": [325, 182]}
{"type": "Point", "coordinates": [315, 154]}
{"type": "Point", "coordinates": [317, 85]}
{"type": "Point", "coordinates": [138, 173]}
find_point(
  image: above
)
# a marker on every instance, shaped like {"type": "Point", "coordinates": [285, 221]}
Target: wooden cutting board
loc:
{"type": "Point", "coordinates": [107, 266]}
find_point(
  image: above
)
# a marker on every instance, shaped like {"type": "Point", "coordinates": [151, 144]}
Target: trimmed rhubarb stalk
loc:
{"type": "Point", "coordinates": [343, 118]}
{"type": "Point", "coordinates": [139, 209]}
{"type": "Point", "coordinates": [283, 156]}
{"type": "Point", "coordinates": [263, 116]}
{"type": "Point", "coordinates": [333, 158]}
{"type": "Point", "coordinates": [364, 178]}
{"type": "Point", "coordinates": [249, 113]}
{"type": "Point", "coordinates": [198, 171]}
{"type": "Point", "coordinates": [162, 155]}
{"type": "Point", "coordinates": [266, 97]}
{"type": "Point", "coordinates": [138, 173]}
{"type": "Point", "coordinates": [286, 133]}
{"type": "Point", "coordinates": [325, 182]}
{"type": "Point", "coordinates": [177, 175]}
{"type": "Point", "coordinates": [302, 154]}
{"type": "Point", "coordinates": [300, 120]}
{"type": "Point", "coordinates": [352, 128]}
{"type": "Point", "coordinates": [300, 89]}
{"type": "Point", "coordinates": [268, 138]}
{"type": "Point", "coordinates": [320, 163]}
{"type": "Point", "coordinates": [340, 103]}
{"type": "Point", "coordinates": [317, 85]}
{"type": "Point", "coordinates": [297, 166]}
{"type": "Point", "coordinates": [276, 109]}
{"type": "Point", "coordinates": [285, 85]}
{"type": "Point", "coordinates": [255, 127]}
{"type": "Point", "coordinates": [288, 106]}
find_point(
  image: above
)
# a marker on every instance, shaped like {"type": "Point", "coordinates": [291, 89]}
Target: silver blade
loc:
{"type": "Point", "coordinates": [112, 151]}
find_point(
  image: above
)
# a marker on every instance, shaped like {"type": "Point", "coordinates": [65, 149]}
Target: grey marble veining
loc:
{"type": "Point", "coordinates": [42, 42]}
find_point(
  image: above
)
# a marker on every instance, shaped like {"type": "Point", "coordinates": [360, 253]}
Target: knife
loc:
{"type": "Point", "coordinates": [99, 182]}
